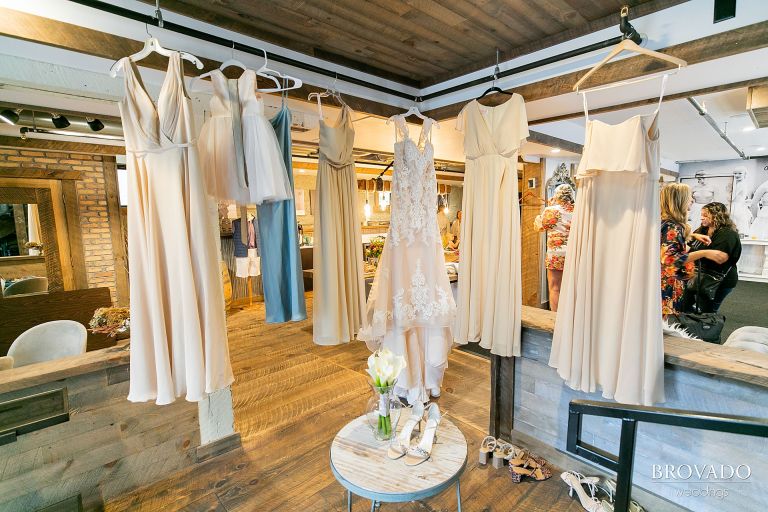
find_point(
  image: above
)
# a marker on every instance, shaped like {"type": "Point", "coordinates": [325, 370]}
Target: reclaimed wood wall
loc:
{"type": "Point", "coordinates": [108, 447]}
{"type": "Point", "coordinates": [531, 205]}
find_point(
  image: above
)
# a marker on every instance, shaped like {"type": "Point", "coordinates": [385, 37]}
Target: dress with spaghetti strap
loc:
{"type": "Point", "coordinates": [608, 332]}
{"type": "Point", "coordinates": [178, 326]}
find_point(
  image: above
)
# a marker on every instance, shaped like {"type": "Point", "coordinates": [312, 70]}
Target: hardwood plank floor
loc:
{"type": "Point", "coordinates": [290, 398]}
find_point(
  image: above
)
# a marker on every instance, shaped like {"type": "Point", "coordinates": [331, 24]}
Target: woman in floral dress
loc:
{"type": "Point", "coordinates": [676, 263]}
{"type": "Point", "coordinates": [556, 221]}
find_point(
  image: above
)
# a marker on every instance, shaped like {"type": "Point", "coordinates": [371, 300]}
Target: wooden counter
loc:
{"type": "Point", "coordinates": [732, 363]}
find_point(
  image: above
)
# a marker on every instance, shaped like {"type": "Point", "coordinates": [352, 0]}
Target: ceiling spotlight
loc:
{"type": "Point", "coordinates": [10, 116]}
{"type": "Point", "coordinates": [95, 124]}
{"type": "Point", "coordinates": [555, 150]}
{"type": "Point", "coordinates": [59, 121]}
{"type": "Point", "coordinates": [748, 128]}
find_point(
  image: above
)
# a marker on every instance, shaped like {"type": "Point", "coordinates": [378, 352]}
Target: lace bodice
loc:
{"type": "Point", "coordinates": [414, 187]}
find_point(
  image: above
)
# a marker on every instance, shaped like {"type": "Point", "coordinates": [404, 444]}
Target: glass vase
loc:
{"type": "Point", "coordinates": [383, 412]}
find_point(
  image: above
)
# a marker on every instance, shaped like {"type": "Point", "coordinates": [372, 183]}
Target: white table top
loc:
{"type": "Point", "coordinates": [360, 463]}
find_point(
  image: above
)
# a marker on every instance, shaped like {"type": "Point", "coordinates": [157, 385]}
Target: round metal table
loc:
{"type": "Point", "coordinates": [360, 463]}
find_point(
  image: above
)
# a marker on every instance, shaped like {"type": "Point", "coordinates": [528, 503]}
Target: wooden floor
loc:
{"type": "Point", "coordinates": [290, 398]}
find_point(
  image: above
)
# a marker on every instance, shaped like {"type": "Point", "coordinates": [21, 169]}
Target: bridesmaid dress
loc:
{"type": "Point", "coordinates": [282, 279]}
{"type": "Point", "coordinates": [178, 326]}
{"type": "Point", "coordinates": [338, 300]}
{"type": "Point", "coordinates": [608, 332]}
{"type": "Point", "coordinates": [490, 286]}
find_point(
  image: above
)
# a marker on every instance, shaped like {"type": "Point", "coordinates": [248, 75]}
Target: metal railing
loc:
{"type": "Point", "coordinates": [630, 416]}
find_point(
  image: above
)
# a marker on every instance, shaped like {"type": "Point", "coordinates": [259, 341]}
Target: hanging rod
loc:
{"type": "Point", "coordinates": [625, 27]}
{"type": "Point", "coordinates": [230, 44]}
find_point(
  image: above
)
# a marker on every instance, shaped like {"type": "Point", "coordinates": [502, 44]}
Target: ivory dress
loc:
{"type": "Point", "coordinates": [410, 307]}
{"type": "Point", "coordinates": [338, 300]}
{"type": "Point", "coordinates": [178, 328]}
{"type": "Point", "coordinates": [238, 146]}
{"type": "Point", "coordinates": [489, 295]}
{"type": "Point", "coordinates": [608, 332]}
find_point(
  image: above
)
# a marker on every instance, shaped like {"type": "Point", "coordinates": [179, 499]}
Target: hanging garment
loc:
{"type": "Point", "coordinates": [238, 147]}
{"type": "Point", "coordinates": [282, 281]}
{"type": "Point", "coordinates": [337, 277]}
{"type": "Point", "coordinates": [247, 256]}
{"type": "Point", "coordinates": [740, 213]}
{"type": "Point", "coordinates": [178, 327]}
{"type": "Point", "coordinates": [410, 307]}
{"type": "Point", "coordinates": [489, 295]}
{"type": "Point", "coordinates": [608, 332]}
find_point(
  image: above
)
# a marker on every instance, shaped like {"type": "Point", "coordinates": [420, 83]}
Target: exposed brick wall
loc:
{"type": "Point", "coordinates": [92, 201]}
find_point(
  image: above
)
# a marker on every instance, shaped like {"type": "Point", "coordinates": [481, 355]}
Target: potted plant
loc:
{"type": "Point", "coordinates": [112, 321]}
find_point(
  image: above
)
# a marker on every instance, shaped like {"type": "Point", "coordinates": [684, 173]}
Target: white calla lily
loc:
{"type": "Point", "coordinates": [384, 367]}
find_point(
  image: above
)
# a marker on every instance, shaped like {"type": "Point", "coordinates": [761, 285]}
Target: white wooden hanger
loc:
{"type": "Point", "coordinates": [630, 46]}
{"type": "Point", "coordinates": [153, 45]}
{"type": "Point", "coordinates": [328, 93]}
{"type": "Point", "coordinates": [228, 63]}
{"type": "Point", "coordinates": [414, 111]}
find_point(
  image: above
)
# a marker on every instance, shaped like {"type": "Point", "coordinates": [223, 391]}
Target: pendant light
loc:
{"type": "Point", "coordinates": [367, 211]}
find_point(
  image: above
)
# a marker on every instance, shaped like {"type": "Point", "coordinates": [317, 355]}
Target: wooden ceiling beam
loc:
{"type": "Point", "coordinates": [86, 148]}
{"type": "Point", "coordinates": [554, 142]}
{"type": "Point", "coordinates": [58, 34]}
{"type": "Point", "coordinates": [725, 44]}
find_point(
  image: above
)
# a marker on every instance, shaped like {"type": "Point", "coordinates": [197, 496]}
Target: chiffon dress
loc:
{"type": "Point", "coordinates": [410, 307]}
{"type": "Point", "coordinates": [178, 327]}
{"type": "Point", "coordinates": [608, 332]}
{"type": "Point", "coordinates": [238, 147]}
{"type": "Point", "coordinates": [490, 287]}
{"type": "Point", "coordinates": [338, 299]}
{"type": "Point", "coordinates": [282, 279]}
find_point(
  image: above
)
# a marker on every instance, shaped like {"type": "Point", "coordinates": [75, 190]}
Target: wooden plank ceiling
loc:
{"type": "Point", "coordinates": [415, 42]}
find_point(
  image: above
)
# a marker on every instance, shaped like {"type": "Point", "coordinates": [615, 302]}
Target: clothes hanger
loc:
{"type": "Point", "coordinates": [271, 74]}
{"type": "Point", "coordinates": [630, 46]}
{"type": "Point", "coordinates": [329, 92]}
{"type": "Point", "coordinates": [493, 87]}
{"type": "Point", "coordinates": [414, 111]}
{"type": "Point", "coordinates": [152, 45]}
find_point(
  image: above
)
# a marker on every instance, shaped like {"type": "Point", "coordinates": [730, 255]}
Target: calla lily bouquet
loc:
{"type": "Point", "coordinates": [384, 367]}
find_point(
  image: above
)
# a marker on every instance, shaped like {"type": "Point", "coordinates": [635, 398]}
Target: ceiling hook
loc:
{"type": "Point", "coordinates": [496, 69]}
{"type": "Point", "coordinates": [158, 14]}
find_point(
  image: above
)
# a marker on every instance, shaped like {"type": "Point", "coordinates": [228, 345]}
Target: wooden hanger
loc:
{"type": "Point", "coordinates": [414, 111]}
{"type": "Point", "coordinates": [630, 46]}
{"type": "Point", "coordinates": [152, 45]}
{"type": "Point", "coordinates": [536, 200]}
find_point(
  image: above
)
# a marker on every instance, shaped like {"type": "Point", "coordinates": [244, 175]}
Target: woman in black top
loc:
{"type": "Point", "coordinates": [723, 252]}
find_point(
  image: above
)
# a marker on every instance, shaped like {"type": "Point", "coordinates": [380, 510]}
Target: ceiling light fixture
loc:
{"type": "Point", "coordinates": [95, 124]}
{"type": "Point", "coordinates": [760, 148]}
{"type": "Point", "coordinates": [555, 150]}
{"type": "Point", "coordinates": [59, 121]}
{"type": "Point", "coordinates": [10, 116]}
{"type": "Point", "coordinates": [748, 128]}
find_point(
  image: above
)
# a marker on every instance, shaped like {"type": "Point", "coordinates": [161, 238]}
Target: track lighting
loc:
{"type": "Point", "coordinates": [95, 124]}
{"type": "Point", "coordinates": [10, 116]}
{"type": "Point", "coordinates": [59, 121]}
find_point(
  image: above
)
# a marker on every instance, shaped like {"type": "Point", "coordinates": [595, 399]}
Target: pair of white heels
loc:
{"type": "Point", "coordinates": [401, 446]}
{"type": "Point", "coordinates": [586, 488]}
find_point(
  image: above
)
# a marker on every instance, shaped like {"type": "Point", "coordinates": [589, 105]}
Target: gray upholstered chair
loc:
{"type": "Point", "coordinates": [29, 285]}
{"type": "Point", "coordinates": [49, 341]}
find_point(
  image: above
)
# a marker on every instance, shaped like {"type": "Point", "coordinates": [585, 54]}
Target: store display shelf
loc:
{"type": "Point", "coordinates": [749, 241]}
{"type": "Point", "coordinates": [757, 278]}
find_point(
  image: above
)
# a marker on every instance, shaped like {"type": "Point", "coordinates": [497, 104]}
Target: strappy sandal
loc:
{"type": "Point", "coordinates": [487, 446]}
{"type": "Point", "coordinates": [529, 465]}
{"type": "Point", "coordinates": [500, 454]}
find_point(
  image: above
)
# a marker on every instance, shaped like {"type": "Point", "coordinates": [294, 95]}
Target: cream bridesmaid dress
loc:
{"type": "Point", "coordinates": [608, 332]}
{"type": "Point", "coordinates": [489, 295]}
{"type": "Point", "coordinates": [178, 326]}
{"type": "Point", "coordinates": [338, 299]}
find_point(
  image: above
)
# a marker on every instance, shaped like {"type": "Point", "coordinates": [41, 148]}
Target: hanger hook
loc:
{"type": "Point", "coordinates": [266, 60]}
{"type": "Point", "coordinates": [496, 69]}
{"type": "Point", "coordinates": [233, 49]}
{"type": "Point", "coordinates": [146, 29]}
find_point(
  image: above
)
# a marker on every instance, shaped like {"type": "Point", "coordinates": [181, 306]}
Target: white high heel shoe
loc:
{"type": "Point", "coordinates": [574, 481]}
{"type": "Point", "coordinates": [402, 442]}
{"type": "Point", "coordinates": [423, 451]}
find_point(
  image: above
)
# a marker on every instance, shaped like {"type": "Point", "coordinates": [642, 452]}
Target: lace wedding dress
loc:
{"type": "Point", "coordinates": [411, 308]}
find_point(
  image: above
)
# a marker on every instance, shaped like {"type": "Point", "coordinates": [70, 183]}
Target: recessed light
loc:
{"type": "Point", "coordinates": [748, 128]}
{"type": "Point", "coordinates": [760, 148]}
{"type": "Point", "coordinates": [555, 150]}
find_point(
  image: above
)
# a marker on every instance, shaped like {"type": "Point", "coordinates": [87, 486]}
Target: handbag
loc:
{"type": "Point", "coordinates": [704, 326]}
{"type": "Point", "coordinates": [707, 281]}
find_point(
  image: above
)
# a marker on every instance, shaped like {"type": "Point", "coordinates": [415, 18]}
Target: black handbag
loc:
{"type": "Point", "coordinates": [706, 281]}
{"type": "Point", "coordinates": [704, 326]}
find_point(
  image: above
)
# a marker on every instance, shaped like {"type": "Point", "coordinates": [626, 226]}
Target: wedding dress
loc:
{"type": "Point", "coordinates": [410, 307]}
{"type": "Point", "coordinates": [178, 327]}
{"type": "Point", "coordinates": [608, 332]}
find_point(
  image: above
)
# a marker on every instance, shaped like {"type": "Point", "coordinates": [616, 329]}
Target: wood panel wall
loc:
{"type": "Point", "coordinates": [108, 447]}
{"type": "Point", "coordinates": [531, 206]}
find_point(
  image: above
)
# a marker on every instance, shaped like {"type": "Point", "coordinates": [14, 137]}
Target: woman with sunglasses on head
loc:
{"type": "Point", "coordinates": [722, 254]}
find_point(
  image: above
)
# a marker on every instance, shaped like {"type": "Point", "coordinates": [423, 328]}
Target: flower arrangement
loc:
{"type": "Point", "coordinates": [384, 367]}
{"type": "Point", "coordinates": [111, 321]}
{"type": "Point", "coordinates": [375, 248]}
{"type": "Point", "coordinates": [34, 248]}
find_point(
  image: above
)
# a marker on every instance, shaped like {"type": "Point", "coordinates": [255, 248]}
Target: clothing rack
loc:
{"type": "Point", "coordinates": [627, 32]}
